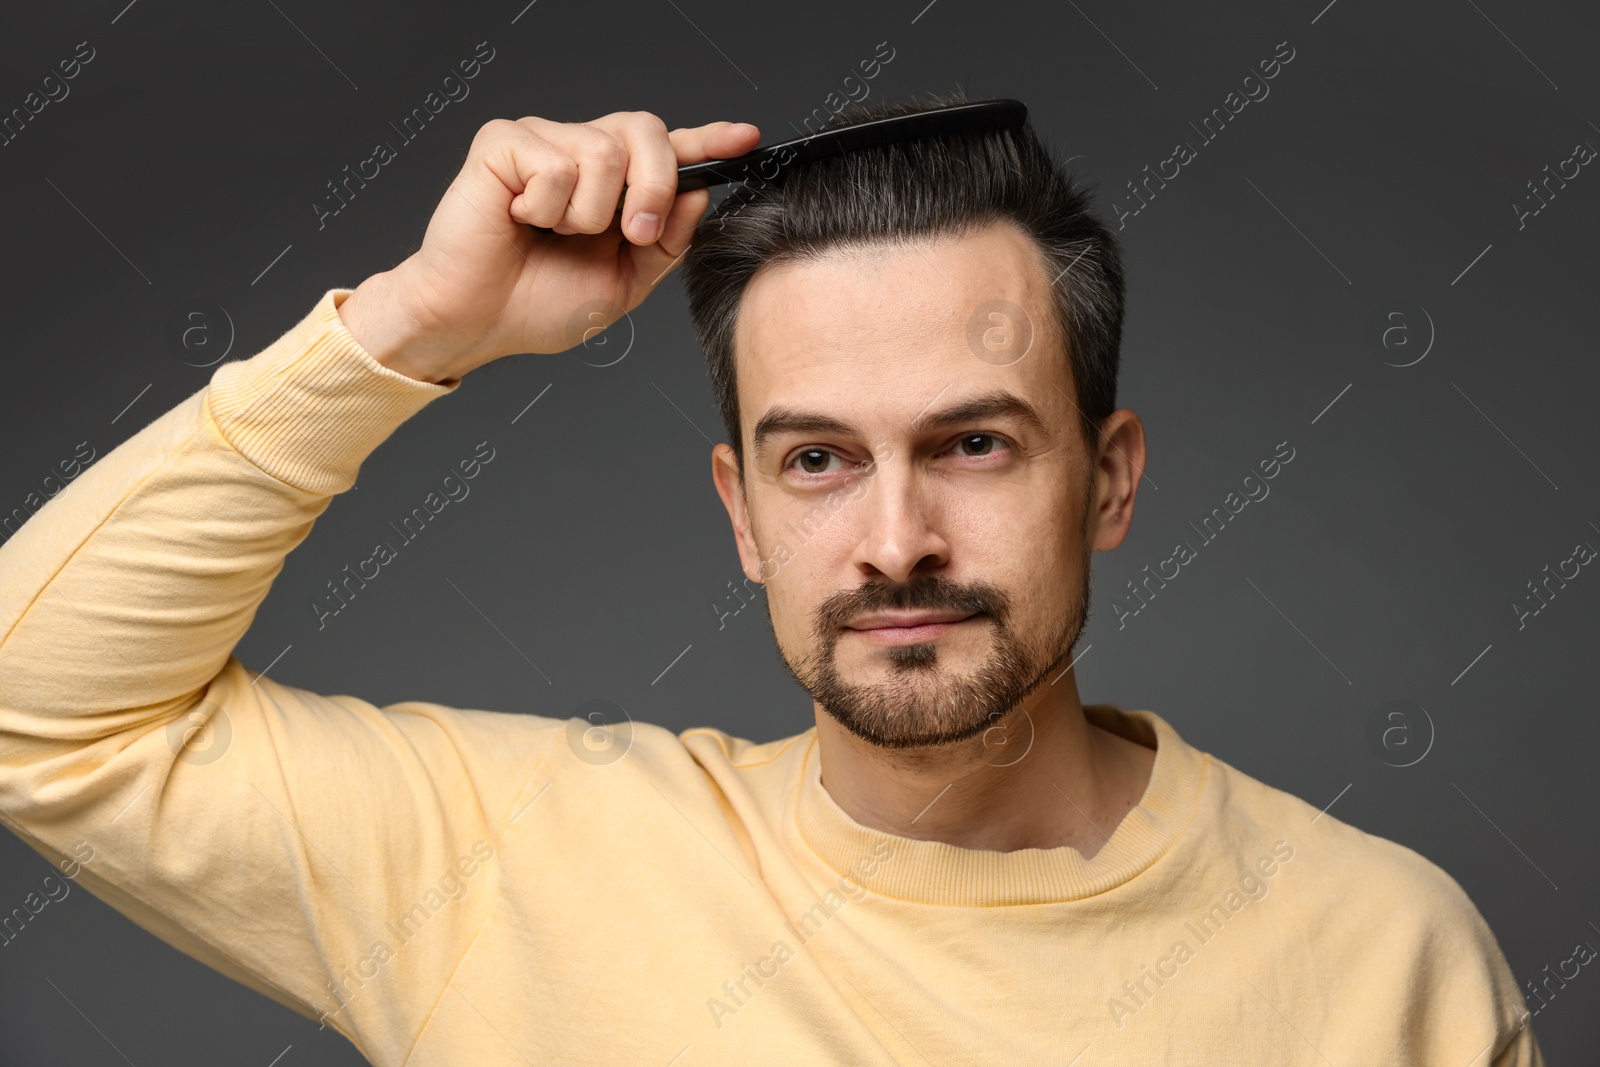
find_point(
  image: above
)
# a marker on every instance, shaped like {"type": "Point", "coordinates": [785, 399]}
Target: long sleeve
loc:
{"type": "Point", "coordinates": [283, 842]}
{"type": "Point", "coordinates": [359, 863]}
{"type": "Point", "coordinates": [1522, 1050]}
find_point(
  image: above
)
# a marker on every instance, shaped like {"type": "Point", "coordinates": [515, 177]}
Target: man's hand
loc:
{"type": "Point", "coordinates": [485, 284]}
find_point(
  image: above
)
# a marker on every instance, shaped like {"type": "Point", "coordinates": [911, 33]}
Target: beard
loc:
{"type": "Point", "coordinates": [923, 703]}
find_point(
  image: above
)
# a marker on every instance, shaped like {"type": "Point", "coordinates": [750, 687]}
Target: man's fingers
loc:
{"type": "Point", "coordinates": [653, 262]}
{"type": "Point", "coordinates": [686, 215]}
{"type": "Point", "coordinates": [602, 161]}
{"type": "Point", "coordinates": [575, 177]}
{"type": "Point", "coordinates": [549, 175]}
{"type": "Point", "coordinates": [652, 175]}
{"type": "Point", "coordinates": [539, 175]}
{"type": "Point", "coordinates": [654, 155]}
{"type": "Point", "coordinates": [714, 140]}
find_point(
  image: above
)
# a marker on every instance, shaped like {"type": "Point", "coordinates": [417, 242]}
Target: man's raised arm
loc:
{"type": "Point", "coordinates": [278, 855]}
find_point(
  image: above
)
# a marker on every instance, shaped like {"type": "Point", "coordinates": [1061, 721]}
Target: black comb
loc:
{"type": "Point", "coordinates": [756, 165]}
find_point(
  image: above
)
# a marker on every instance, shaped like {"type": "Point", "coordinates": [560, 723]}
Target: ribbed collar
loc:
{"type": "Point", "coordinates": [933, 872]}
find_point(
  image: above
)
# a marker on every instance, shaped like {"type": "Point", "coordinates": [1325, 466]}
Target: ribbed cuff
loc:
{"type": "Point", "coordinates": [311, 406]}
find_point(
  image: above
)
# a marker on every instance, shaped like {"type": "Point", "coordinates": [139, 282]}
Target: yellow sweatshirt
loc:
{"type": "Point", "coordinates": [451, 886]}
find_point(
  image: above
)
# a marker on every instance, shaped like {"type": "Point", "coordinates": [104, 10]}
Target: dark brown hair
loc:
{"type": "Point", "coordinates": [950, 185]}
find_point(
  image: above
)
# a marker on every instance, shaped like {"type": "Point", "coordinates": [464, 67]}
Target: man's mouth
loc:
{"type": "Point", "coordinates": [907, 627]}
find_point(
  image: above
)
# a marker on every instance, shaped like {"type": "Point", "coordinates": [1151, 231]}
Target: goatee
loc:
{"type": "Point", "coordinates": [923, 703]}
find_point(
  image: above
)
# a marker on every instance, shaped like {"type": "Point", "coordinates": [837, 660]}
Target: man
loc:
{"type": "Point", "coordinates": [915, 351]}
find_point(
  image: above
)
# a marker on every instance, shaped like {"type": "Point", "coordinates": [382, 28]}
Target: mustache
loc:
{"type": "Point", "coordinates": [926, 593]}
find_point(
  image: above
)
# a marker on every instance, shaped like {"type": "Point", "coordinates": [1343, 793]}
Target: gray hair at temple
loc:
{"type": "Point", "coordinates": [951, 185]}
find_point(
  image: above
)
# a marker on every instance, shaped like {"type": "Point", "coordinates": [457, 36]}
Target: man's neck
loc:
{"type": "Point", "coordinates": [1043, 777]}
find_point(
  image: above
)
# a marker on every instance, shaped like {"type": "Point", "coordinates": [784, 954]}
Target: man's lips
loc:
{"type": "Point", "coordinates": [895, 628]}
{"type": "Point", "coordinates": [906, 619]}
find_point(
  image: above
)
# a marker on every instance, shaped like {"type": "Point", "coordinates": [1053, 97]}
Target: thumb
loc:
{"type": "Point", "coordinates": [652, 262]}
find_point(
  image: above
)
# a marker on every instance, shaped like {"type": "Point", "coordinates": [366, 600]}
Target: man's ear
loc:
{"type": "Point", "coordinates": [730, 487]}
{"type": "Point", "coordinates": [1119, 467]}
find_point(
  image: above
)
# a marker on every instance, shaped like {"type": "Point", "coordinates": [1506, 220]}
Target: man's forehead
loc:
{"type": "Point", "coordinates": [892, 327]}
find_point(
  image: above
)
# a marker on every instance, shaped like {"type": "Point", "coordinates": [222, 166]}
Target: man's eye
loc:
{"type": "Point", "coordinates": [973, 445]}
{"type": "Point", "coordinates": [986, 443]}
{"type": "Point", "coordinates": [813, 460]}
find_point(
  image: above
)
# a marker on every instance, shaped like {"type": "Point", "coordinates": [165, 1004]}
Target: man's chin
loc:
{"type": "Point", "coordinates": [888, 717]}
{"type": "Point", "coordinates": [946, 660]}
{"type": "Point", "coordinates": [913, 740]}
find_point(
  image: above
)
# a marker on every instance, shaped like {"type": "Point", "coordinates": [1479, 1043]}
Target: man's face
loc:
{"type": "Point", "coordinates": [983, 519]}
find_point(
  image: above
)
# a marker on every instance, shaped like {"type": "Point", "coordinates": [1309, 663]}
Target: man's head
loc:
{"type": "Point", "coordinates": [914, 348]}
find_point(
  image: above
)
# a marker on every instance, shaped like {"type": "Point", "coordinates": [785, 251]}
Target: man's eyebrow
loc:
{"type": "Point", "coordinates": [998, 404]}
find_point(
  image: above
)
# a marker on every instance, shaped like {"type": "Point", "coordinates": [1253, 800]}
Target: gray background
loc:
{"type": "Point", "coordinates": [1383, 566]}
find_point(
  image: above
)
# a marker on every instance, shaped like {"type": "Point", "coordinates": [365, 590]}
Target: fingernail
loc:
{"type": "Point", "coordinates": [645, 227]}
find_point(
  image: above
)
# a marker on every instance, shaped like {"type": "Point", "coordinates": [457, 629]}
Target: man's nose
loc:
{"type": "Point", "coordinates": [900, 518]}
